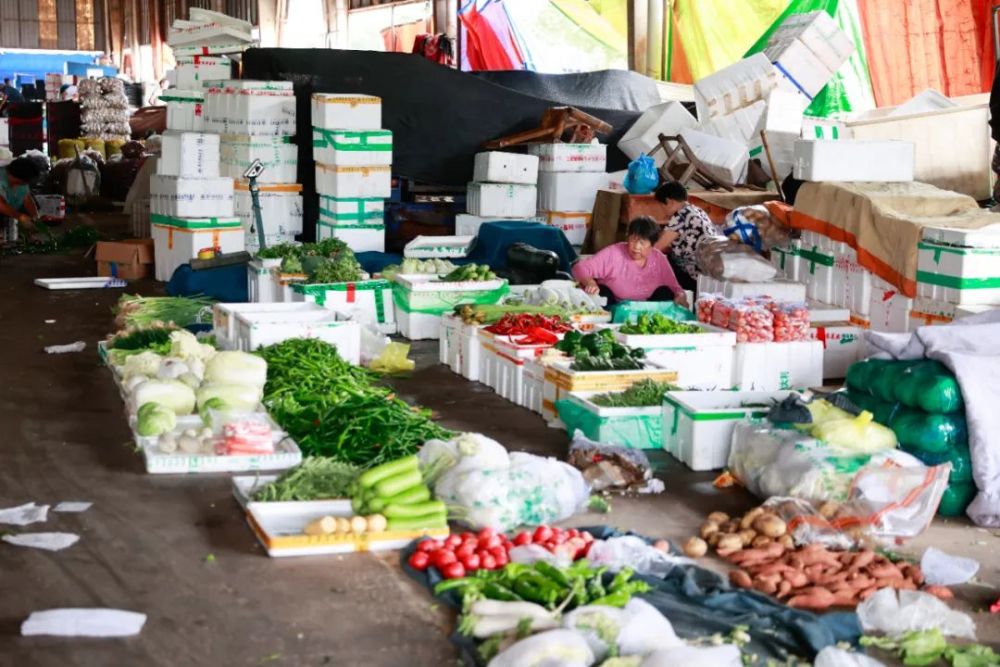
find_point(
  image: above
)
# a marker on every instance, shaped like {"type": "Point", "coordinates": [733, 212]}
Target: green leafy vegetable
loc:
{"type": "Point", "coordinates": [643, 394]}
{"type": "Point", "coordinates": [155, 419]}
{"type": "Point", "coordinates": [653, 324]}
{"type": "Point", "coordinates": [345, 268]}
{"type": "Point", "coordinates": [133, 311]}
{"type": "Point", "coordinates": [318, 478]}
{"type": "Point", "coordinates": [155, 339]}
{"type": "Point", "coordinates": [280, 251]}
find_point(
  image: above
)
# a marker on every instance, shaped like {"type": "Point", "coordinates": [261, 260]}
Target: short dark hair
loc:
{"type": "Point", "coordinates": [644, 227]}
{"type": "Point", "coordinates": [671, 190]}
{"type": "Point", "coordinates": [24, 169]}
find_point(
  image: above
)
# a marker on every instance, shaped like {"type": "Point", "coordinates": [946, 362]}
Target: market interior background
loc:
{"type": "Point", "coordinates": [847, 162]}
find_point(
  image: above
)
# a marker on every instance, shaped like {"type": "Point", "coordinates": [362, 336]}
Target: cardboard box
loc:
{"type": "Point", "coordinates": [604, 225]}
{"type": "Point", "coordinates": [131, 259]}
{"type": "Point", "coordinates": [500, 167]}
{"type": "Point", "coordinates": [849, 161]}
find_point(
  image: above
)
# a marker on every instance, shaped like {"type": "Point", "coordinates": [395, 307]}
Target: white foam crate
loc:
{"type": "Point", "coordinates": [779, 290]}
{"type": "Point", "coordinates": [260, 329]}
{"type": "Point", "coordinates": [817, 270]}
{"type": "Point", "coordinates": [245, 486]}
{"type": "Point", "coordinates": [569, 191]}
{"type": "Point", "coordinates": [278, 155]}
{"type": "Point", "coordinates": [183, 197]}
{"type": "Point", "coordinates": [570, 157]}
{"type": "Point", "coordinates": [468, 225]}
{"type": "Point", "coordinates": [193, 72]}
{"type": "Point", "coordinates": [257, 108]}
{"type": "Point", "coordinates": [349, 148]}
{"type": "Point", "coordinates": [643, 425]}
{"type": "Point", "coordinates": [188, 154]}
{"type": "Point", "coordinates": [359, 238]}
{"type": "Point", "coordinates": [500, 167]}
{"type": "Point", "coordinates": [260, 282]}
{"type": "Point", "coordinates": [698, 425]}
{"type": "Point", "coordinates": [889, 309]}
{"type": "Point", "coordinates": [354, 182]}
{"type": "Point", "coordinates": [959, 275]}
{"type": "Point", "coordinates": [723, 158]}
{"type": "Point", "coordinates": [824, 313]}
{"type": "Point", "coordinates": [346, 111]}
{"type": "Point", "coordinates": [821, 34]}
{"type": "Point", "coordinates": [185, 110]}
{"type": "Point", "coordinates": [424, 298]}
{"type": "Point", "coordinates": [701, 361]}
{"type": "Point", "coordinates": [800, 71]}
{"type": "Point", "coordinates": [501, 371]}
{"type": "Point", "coordinates": [533, 386]}
{"type": "Point", "coordinates": [177, 241]}
{"type": "Point", "coordinates": [843, 344]}
{"type": "Point", "coordinates": [849, 161]}
{"type": "Point", "coordinates": [740, 126]}
{"type": "Point", "coordinates": [460, 346]}
{"type": "Point", "coordinates": [224, 314]}
{"type": "Point", "coordinates": [418, 326]}
{"type": "Point", "coordinates": [280, 207]}
{"type": "Point", "coordinates": [561, 380]}
{"type": "Point", "coordinates": [365, 300]}
{"type": "Point", "coordinates": [668, 119]}
{"type": "Point", "coordinates": [501, 200]}
{"type": "Point", "coordinates": [731, 88]}
{"type": "Point", "coordinates": [444, 247]}
{"type": "Point", "coordinates": [778, 366]}
{"type": "Point", "coordinates": [786, 260]}
{"type": "Point", "coordinates": [574, 225]}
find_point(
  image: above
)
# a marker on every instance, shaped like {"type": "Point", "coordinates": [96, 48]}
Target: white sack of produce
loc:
{"type": "Point", "coordinates": [637, 629]}
{"type": "Point", "coordinates": [555, 648]}
{"type": "Point", "coordinates": [711, 656]}
{"type": "Point", "coordinates": [467, 452]}
{"type": "Point", "coordinates": [238, 397]}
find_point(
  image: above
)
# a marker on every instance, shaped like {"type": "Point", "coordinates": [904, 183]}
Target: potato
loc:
{"type": "Point", "coordinates": [718, 517]}
{"type": "Point", "coordinates": [695, 547]}
{"type": "Point", "coordinates": [714, 538]}
{"type": "Point", "coordinates": [708, 528]}
{"type": "Point", "coordinates": [750, 517]}
{"type": "Point", "coordinates": [760, 541]}
{"type": "Point", "coordinates": [730, 527]}
{"type": "Point", "coordinates": [748, 536]}
{"type": "Point", "coordinates": [828, 509]}
{"type": "Point", "coordinates": [770, 525]}
{"type": "Point", "coordinates": [729, 543]}
{"type": "Point", "coordinates": [786, 541]}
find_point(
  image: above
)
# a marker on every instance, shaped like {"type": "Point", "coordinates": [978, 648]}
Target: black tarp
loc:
{"type": "Point", "coordinates": [439, 117]}
{"type": "Point", "coordinates": [607, 89]}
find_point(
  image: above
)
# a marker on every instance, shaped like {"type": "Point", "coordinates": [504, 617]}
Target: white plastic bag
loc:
{"type": "Point", "coordinates": [893, 615]}
{"type": "Point", "coordinates": [637, 629]}
{"type": "Point", "coordinates": [941, 569]}
{"type": "Point", "coordinates": [466, 453]}
{"type": "Point", "coordinates": [629, 550]}
{"type": "Point", "coordinates": [555, 648]}
{"type": "Point", "coordinates": [711, 656]}
{"type": "Point", "coordinates": [832, 656]}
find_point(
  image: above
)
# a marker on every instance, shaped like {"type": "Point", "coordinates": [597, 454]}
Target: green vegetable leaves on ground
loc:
{"type": "Point", "coordinates": [643, 394]}
{"type": "Point", "coordinates": [928, 647]}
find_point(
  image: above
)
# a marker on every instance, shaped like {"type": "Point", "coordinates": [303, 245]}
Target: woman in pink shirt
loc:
{"type": "Point", "coordinates": [632, 270]}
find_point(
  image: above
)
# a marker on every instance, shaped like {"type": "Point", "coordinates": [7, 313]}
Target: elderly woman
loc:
{"type": "Point", "coordinates": [632, 270]}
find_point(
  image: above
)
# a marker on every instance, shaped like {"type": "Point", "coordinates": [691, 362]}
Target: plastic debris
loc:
{"type": "Point", "coordinates": [78, 346]}
{"type": "Point", "coordinates": [23, 515]}
{"type": "Point", "coordinates": [912, 611]}
{"type": "Point", "coordinates": [941, 569]}
{"type": "Point", "coordinates": [46, 541]}
{"type": "Point", "coordinates": [72, 506]}
{"type": "Point", "coordinates": [83, 623]}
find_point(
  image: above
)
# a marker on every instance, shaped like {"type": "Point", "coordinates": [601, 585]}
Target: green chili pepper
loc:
{"type": "Point", "coordinates": [618, 599]}
{"type": "Point", "coordinates": [553, 573]}
{"type": "Point", "coordinates": [495, 591]}
{"type": "Point", "coordinates": [621, 579]}
{"type": "Point", "coordinates": [456, 584]}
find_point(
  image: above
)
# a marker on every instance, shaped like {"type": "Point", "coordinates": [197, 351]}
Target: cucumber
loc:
{"type": "Point", "coordinates": [398, 483]}
{"type": "Point", "coordinates": [370, 478]}
{"type": "Point", "coordinates": [420, 509]}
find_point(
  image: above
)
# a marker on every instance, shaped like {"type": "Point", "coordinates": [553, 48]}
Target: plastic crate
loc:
{"type": "Point", "coordinates": [637, 428]}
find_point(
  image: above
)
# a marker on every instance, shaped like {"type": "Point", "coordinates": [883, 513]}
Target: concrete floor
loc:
{"type": "Point", "coordinates": [179, 550]}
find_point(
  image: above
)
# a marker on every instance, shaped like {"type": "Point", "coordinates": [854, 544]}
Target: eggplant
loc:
{"type": "Point", "coordinates": [540, 263]}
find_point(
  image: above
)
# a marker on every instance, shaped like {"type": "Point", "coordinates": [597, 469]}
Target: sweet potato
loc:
{"type": "Point", "coordinates": [940, 592]}
{"type": "Point", "coordinates": [814, 572]}
{"type": "Point", "coordinates": [784, 588]}
{"type": "Point", "coordinates": [845, 599]}
{"type": "Point", "coordinates": [740, 579]}
{"type": "Point", "coordinates": [796, 579]}
{"type": "Point", "coordinates": [749, 555]}
{"type": "Point", "coordinates": [860, 581]}
{"type": "Point", "coordinates": [885, 571]}
{"type": "Point", "coordinates": [818, 599]}
{"type": "Point", "coordinates": [862, 559]}
{"type": "Point", "coordinates": [766, 587]}
{"type": "Point", "coordinates": [913, 572]}
{"type": "Point", "coordinates": [774, 567]}
{"type": "Point", "coordinates": [832, 580]}
{"type": "Point", "coordinates": [867, 593]}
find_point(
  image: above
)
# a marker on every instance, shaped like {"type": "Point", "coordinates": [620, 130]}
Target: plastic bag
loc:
{"type": "Point", "coordinates": [642, 177]}
{"type": "Point", "coordinates": [529, 554]}
{"type": "Point", "coordinates": [858, 434]}
{"type": "Point", "coordinates": [565, 648]}
{"type": "Point", "coordinates": [752, 323]}
{"type": "Point", "coordinates": [639, 629]}
{"type": "Point", "coordinates": [393, 359]}
{"type": "Point", "coordinates": [725, 259]}
{"type": "Point", "coordinates": [831, 656]}
{"type": "Point", "coordinates": [791, 321]}
{"type": "Point", "coordinates": [957, 498]}
{"type": "Point", "coordinates": [756, 227]}
{"type": "Point", "coordinates": [807, 525]}
{"type": "Point", "coordinates": [910, 611]}
{"type": "Point", "coordinates": [929, 386]}
{"type": "Point", "coordinates": [709, 656]}
{"type": "Point", "coordinates": [607, 466]}
{"type": "Point", "coordinates": [894, 501]}
{"type": "Point", "coordinates": [941, 569]}
{"type": "Point", "coordinates": [466, 453]}
{"type": "Point", "coordinates": [629, 311]}
{"type": "Point", "coordinates": [922, 433]}
{"type": "Point", "coordinates": [633, 433]}
{"type": "Point", "coordinates": [631, 551]}
{"type": "Point", "coordinates": [705, 305]}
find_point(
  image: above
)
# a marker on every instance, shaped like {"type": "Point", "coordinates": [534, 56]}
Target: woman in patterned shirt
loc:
{"type": "Point", "coordinates": [684, 226]}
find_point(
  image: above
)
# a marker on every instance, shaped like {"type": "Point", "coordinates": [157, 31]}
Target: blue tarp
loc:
{"type": "Point", "coordinates": [27, 65]}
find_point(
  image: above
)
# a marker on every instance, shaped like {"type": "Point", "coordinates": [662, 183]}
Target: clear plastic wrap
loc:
{"type": "Point", "coordinates": [726, 259]}
{"type": "Point", "coordinates": [705, 306]}
{"type": "Point", "coordinates": [608, 466]}
{"type": "Point", "coordinates": [807, 524]}
{"type": "Point", "coordinates": [896, 613]}
{"type": "Point", "coordinates": [752, 323]}
{"type": "Point", "coordinates": [791, 321]}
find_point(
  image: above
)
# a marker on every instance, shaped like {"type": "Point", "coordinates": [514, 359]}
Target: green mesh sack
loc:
{"type": "Point", "coordinates": [960, 460]}
{"type": "Point", "coordinates": [860, 374]}
{"type": "Point", "coordinates": [921, 433]}
{"type": "Point", "coordinates": [883, 382]}
{"type": "Point", "coordinates": [929, 386]}
{"type": "Point", "coordinates": [956, 498]}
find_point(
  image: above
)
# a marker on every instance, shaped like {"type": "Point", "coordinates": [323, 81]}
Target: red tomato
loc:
{"type": "Point", "coordinates": [501, 558]}
{"type": "Point", "coordinates": [578, 544]}
{"type": "Point", "coordinates": [464, 551]}
{"type": "Point", "coordinates": [559, 537]}
{"type": "Point", "coordinates": [586, 550]}
{"type": "Point", "coordinates": [488, 562]}
{"type": "Point", "coordinates": [471, 561]}
{"type": "Point", "coordinates": [472, 542]}
{"type": "Point", "coordinates": [419, 560]}
{"type": "Point", "coordinates": [522, 538]}
{"type": "Point", "coordinates": [442, 558]}
{"type": "Point", "coordinates": [428, 546]}
{"type": "Point", "coordinates": [542, 534]}
{"type": "Point", "coordinates": [486, 532]}
{"type": "Point", "coordinates": [452, 541]}
{"type": "Point", "coordinates": [550, 545]}
{"type": "Point", "coordinates": [468, 536]}
{"type": "Point", "coordinates": [496, 552]}
{"type": "Point", "coordinates": [453, 570]}
{"type": "Point", "coordinates": [489, 542]}
{"type": "Point", "coordinates": [573, 532]}
{"type": "Point", "coordinates": [587, 537]}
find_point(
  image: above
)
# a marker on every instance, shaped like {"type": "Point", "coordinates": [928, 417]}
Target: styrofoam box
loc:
{"type": "Point", "coordinates": [829, 129]}
{"type": "Point", "coordinates": [278, 155]}
{"type": "Point", "coordinates": [176, 241]}
{"type": "Point", "coordinates": [190, 154]}
{"type": "Point", "coordinates": [854, 161]}
{"type": "Point", "coordinates": [4, 131]}
{"type": "Point", "coordinates": [182, 197]}
{"type": "Point", "coordinates": [280, 207]}
{"type": "Point", "coordinates": [418, 326]}
{"type": "Point", "coordinates": [460, 346]}
{"type": "Point", "coordinates": [251, 241]}
{"type": "Point", "coordinates": [468, 225]}
{"type": "Point", "coordinates": [778, 366]}
{"type": "Point", "coordinates": [346, 111]}
{"type": "Point", "coordinates": [500, 167]}
{"type": "Point", "coordinates": [698, 425]}
{"type": "Point", "coordinates": [635, 428]}
{"type": "Point", "coordinates": [569, 191]}
{"type": "Point", "coordinates": [825, 313]}
{"type": "Point", "coordinates": [570, 157]}
{"type": "Point", "coordinates": [786, 260]}
{"type": "Point", "coordinates": [968, 276]}
{"type": "Point", "coordinates": [966, 311]}
{"type": "Point", "coordinates": [843, 344]}
{"type": "Point", "coordinates": [194, 71]}
{"type": "Point", "coordinates": [286, 455]}
{"type": "Point", "coordinates": [740, 126]}
{"type": "Point", "coordinates": [852, 283]}
{"type": "Point", "coordinates": [779, 290]}
{"type": "Point", "coordinates": [359, 238]}
{"type": "Point", "coordinates": [185, 110]}
{"type": "Point", "coordinates": [668, 119]}
{"type": "Point", "coordinates": [501, 371]}
{"type": "Point", "coordinates": [224, 314]}
{"type": "Point", "coordinates": [354, 182]}
{"type": "Point", "coordinates": [358, 222]}
{"type": "Point", "coordinates": [533, 386]}
{"type": "Point", "coordinates": [818, 31]}
{"type": "Point", "coordinates": [725, 159]}
{"type": "Point", "coordinates": [573, 225]}
{"type": "Point", "coordinates": [51, 206]}
{"type": "Point", "coordinates": [816, 270]}
{"type": "Point", "coordinates": [262, 283]}
{"type": "Point", "coordinates": [368, 299]}
{"type": "Point", "coordinates": [928, 312]}
{"type": "Point", "coordinates": [502, 199]}
{"type": "Point", "coordinates": [889, 308]}
{"type": "Point", "coordinates": [431, 247]}
{"type": "Point", "coordinates": [256, 108]}
{"type": "Point", "coordinates": [424, 298]}
{"type": "Point", "coordinates": [731, 88]}
{"type": "Point", "coordinates": [560, 381]}
{"type": "Point", "coordinates": [347, 148]}
{"type": "Point", "coordinates": [256, 330]}
{"type": "Point", "coordinates": [799, 70]}
{"type": "Point", "coordinates": [702, 360]}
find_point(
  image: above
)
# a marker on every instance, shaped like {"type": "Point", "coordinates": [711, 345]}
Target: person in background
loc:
{"type": "Point", "coordinates": [684, 227]}
{"type": "Point", "coordinates": [632, 270]}
{"type": "Point", "coordinates": [15, 198]}
{"type": "Point", "coordinates": [11, 91]}
{"type": "Point", "coordinates": [154, 96]}
{"type": "Point", "coordinates": [68, 92]}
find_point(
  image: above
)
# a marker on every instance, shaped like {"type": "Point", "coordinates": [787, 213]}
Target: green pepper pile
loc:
{"type": "Point", "coordinates": [600, 352]}
{"type": "Point", "coordinates": [547, 585]}
{"type": "Point", "coordinates": [655, 324]}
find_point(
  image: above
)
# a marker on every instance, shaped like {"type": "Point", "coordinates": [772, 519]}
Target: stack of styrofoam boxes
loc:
{"type": "Point", "coordinates": [353, 169]}
{"type": "Point", "coordinates": [191, 206]}
{"type": "Point", "coordinates": [807, 50]}
{"type": "Point", "coordinates": [854, 161]}
{"type": "Point", "coordinates": [667, 119]}
{"type": "Point", "coordinates": [503, 186]}
{"type": "Point", "coordinates": [842, 340]}
{"type": "Point", "coordinates": [569, 176]}
{"type": "Point", "coordinates": [958, 273]}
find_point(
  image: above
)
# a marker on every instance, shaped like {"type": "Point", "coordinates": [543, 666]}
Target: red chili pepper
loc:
{"type": "Point", "coordinates": [543, 335]}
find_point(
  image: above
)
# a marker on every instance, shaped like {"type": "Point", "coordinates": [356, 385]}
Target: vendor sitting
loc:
{"type": "Point", "coordinates": [632, 270]}
{"type": "Point", "coordinates": [15, 197]}
{"type": "Point", "coordinates": [684, 226]}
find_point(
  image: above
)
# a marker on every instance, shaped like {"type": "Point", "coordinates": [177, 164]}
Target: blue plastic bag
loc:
{"type": "Point", "coordinates": [642, 177]}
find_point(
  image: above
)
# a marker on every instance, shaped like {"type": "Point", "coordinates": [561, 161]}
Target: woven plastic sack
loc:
{"type": "Point", "coordinates": [757, 228]}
